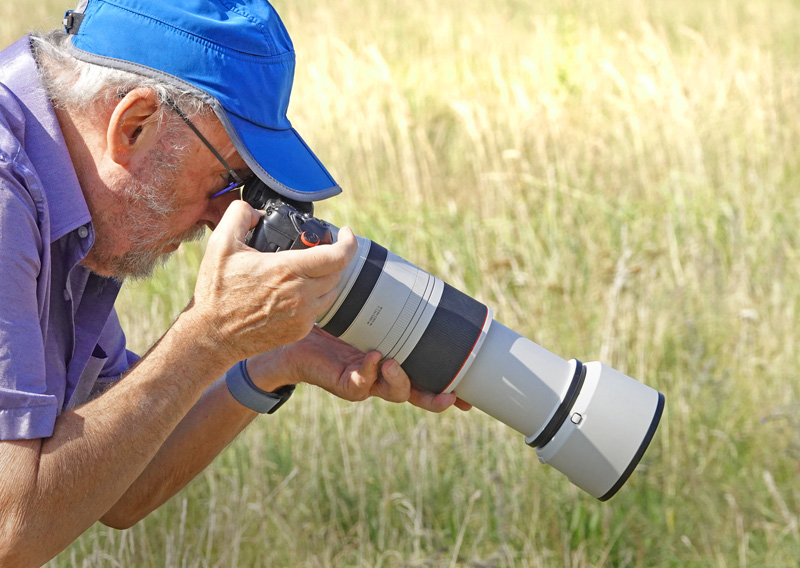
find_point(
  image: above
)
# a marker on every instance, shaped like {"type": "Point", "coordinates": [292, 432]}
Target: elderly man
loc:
{"type": "Point", "coordinates": [120, 139]}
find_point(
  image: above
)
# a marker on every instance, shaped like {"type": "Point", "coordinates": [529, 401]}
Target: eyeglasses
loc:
{"type": "Point", "coordinates": [237, 182]}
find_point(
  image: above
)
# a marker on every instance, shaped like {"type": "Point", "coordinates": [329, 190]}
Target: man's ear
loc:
{"type": "Point", "coordinates": [133, 126]}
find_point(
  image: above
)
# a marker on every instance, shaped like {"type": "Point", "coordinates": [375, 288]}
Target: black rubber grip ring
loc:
{"type": "Point", "coordinates": [359, 293]}
{"type": "Point", "coordinates": [447, 342]}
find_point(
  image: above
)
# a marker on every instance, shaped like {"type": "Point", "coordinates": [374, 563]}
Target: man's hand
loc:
{"type": "Point", "coordinates": [341, 369]}
{"type": "Point", "coordinates": [252, 301]}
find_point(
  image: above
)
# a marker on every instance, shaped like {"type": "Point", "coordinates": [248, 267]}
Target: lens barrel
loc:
{"type": "Point", "coordinates": [589, 421]}
{"type": "Point", "coordinates": [388, 304]}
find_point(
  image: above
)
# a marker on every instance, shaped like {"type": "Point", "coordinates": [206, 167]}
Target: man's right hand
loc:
{"type": "Point", "coordinates": [252, 301]}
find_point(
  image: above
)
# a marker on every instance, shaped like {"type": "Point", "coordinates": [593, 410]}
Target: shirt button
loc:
{"type": "Point", "coordinates": [83, 232]}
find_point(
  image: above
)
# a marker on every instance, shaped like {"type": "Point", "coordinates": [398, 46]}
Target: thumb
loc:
{"type": "Point", "coordinates": [237, 220]}
{"type": "Point", "coordinates": [323, 260]}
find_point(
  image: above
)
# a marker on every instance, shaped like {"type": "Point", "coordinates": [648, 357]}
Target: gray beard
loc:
{"type": "Point", "coordinates": [141, 261]}
{"type": "Point", "coordinates": [149, 203]}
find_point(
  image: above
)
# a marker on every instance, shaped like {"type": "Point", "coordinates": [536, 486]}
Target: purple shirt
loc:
{"type": "Point", "coordinates": [60, 339]}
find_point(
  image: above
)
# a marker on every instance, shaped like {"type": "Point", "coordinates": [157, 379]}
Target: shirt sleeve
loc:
{"type": "Point", "coordinates": [26, 410]}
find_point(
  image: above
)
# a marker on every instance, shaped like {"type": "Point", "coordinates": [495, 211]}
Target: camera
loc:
{"type": "Point", "coordinates": [587, 420]}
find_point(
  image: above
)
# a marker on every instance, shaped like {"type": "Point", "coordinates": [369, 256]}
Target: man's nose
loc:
{"type": "Point", "coordinates": [217, 207]}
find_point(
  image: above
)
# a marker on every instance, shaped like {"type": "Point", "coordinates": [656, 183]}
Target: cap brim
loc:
{"type": "Point", "coordinates": [280, 158]}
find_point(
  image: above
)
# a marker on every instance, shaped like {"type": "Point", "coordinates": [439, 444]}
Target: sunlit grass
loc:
{"type": "Point", "coordinates": [618, 181]}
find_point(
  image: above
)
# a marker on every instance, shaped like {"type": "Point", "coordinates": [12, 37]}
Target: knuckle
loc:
{"type": "Point", "coordinates": [359, 395]}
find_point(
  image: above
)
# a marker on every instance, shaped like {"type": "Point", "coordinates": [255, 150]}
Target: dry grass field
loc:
{"type": "Point", "coordinates": [619, 181]}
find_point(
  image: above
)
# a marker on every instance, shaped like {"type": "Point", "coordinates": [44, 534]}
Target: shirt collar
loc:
{"type": "Point", "coordinates": [43, 141]}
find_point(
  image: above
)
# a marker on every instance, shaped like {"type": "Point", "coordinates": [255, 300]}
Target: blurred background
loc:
{"type": "Point", "coordinates": [618, 180]}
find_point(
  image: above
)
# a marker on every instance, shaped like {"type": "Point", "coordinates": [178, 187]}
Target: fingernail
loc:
{"type": "Point", "coordinates": [392, 369]}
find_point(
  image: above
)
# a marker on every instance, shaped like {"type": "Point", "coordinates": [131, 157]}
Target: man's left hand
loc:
{"type": "Point", "coordinates": [341, 369]}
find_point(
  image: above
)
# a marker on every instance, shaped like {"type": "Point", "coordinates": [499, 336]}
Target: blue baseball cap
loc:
{"type": "Point", "coordinates": [234, 55]}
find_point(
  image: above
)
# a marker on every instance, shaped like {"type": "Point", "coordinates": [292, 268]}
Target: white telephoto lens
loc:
{"type": "Point", "coordinates": [590, 421]}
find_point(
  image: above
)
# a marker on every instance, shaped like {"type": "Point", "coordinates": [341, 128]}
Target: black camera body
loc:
{"type": "Point", "coordinates": [589, 421]}
{"type": "Point", "coordinates": [286, 224]}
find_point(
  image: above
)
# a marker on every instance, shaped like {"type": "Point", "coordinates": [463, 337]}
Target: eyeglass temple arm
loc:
{"type": "Point", "coordinates": [202, 138]}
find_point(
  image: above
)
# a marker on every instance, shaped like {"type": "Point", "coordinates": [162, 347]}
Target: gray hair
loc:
{"type": "Point", "coordinates": [78, 85]}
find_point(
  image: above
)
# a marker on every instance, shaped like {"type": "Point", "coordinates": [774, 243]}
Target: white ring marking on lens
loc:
{"type": "Point", "coordinates": [431, 298]}
{"type": "Point", "coordinates": [406, 315]}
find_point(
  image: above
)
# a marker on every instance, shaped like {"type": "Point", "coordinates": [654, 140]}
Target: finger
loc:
{"type": "Point", "coordinates": [463, 405]}
{"type": "Point", "coordinates": [394, 385]}
{"type": "Point", "coordinates": [323, 335]}
{"type": "Point", "coordinates": [369, 366]}
{"type": "Point", "coordinates": [346, 235]}
{"type": "Point", "coordinates": [327, 300]}
{"type": "Point", "coordinates": [363, 379]}
{"type": "Point", "coordinates": [322, 260]}
{"type": "Point", "coordinates": [431, 402]}
{"type": "Point", "coordinates": [237, 220]}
